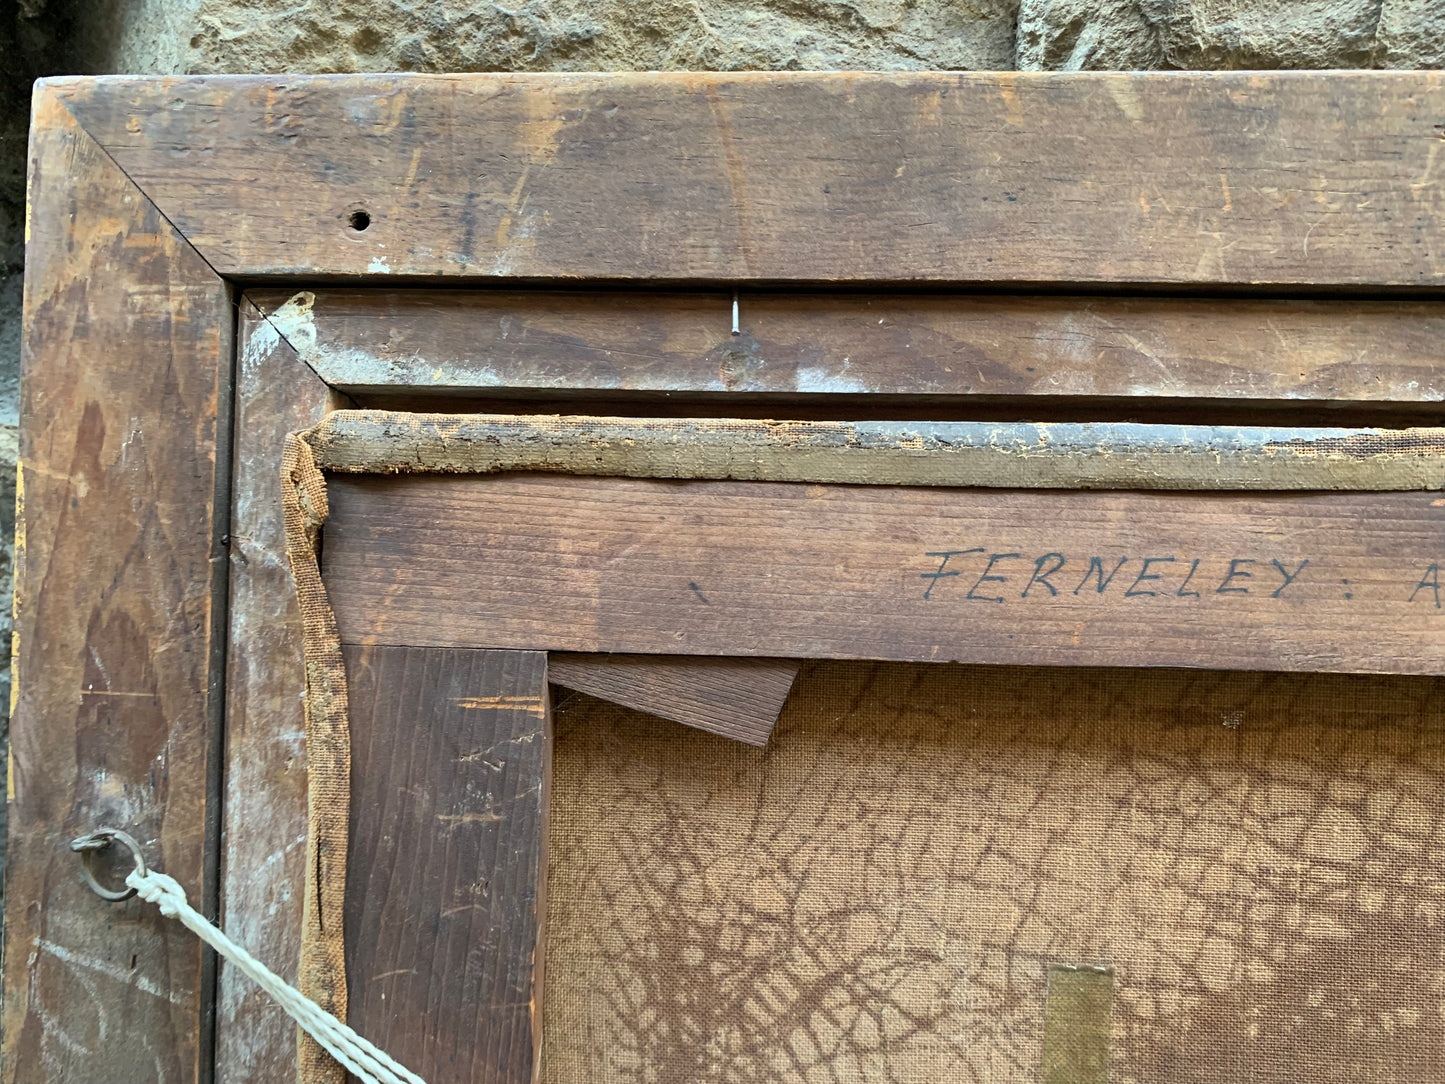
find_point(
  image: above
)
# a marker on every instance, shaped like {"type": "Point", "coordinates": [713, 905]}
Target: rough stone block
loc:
{"type": "Point", "coordinates": [574, 35]}
{"type": "Point", "coordinates": [1411, 34]}
{"type": "Point", "coordinates": [1230, 34]}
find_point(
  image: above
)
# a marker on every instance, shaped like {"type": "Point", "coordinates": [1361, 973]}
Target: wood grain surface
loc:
{"type": "Point", "coordinates": [737, 698]}
{"type": "Point", "coordinates": [445, 886]}
{"type": "Point", "coordinates": [819, 348]}
{"type": "Point", "coordinates": [1251, 179]}
{"type": "Point", "coordinates": [118, 620]}
{"type": "Point", "coordinates": [265, 798]}
{"type": "Point", "coordinates": [1252, 581]}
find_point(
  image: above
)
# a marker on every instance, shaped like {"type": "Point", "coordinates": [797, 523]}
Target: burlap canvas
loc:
{"type": "Point", "coordinates": [322, 968]}
{"type": "Point", "coordinates": [879, 894]}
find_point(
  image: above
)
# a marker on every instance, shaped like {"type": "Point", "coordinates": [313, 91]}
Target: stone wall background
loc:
{"type": "Point", "coordinates": [54, 37]}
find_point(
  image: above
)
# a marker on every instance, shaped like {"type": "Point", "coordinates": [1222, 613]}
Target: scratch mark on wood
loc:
{"type": "Point", "coordinates": [114, 971]}
{"type": "Point", "coordinates": [532, 704]}
{"type": "Point", "coordinates": [469, 818]}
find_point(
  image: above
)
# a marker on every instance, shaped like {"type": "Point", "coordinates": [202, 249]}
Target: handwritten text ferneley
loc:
{"type": "Point", "coordinates": [995, 576]}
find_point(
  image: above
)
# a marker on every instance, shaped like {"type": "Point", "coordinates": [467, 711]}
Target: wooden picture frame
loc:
{"type": "Point", "coordinates": [1085, 245]}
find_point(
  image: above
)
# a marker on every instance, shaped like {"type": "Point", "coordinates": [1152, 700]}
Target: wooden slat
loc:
{"type": "Point", "coordinates": [808, 571]}
{"type": "Point", "coordinates": [737, 698]}
{"type": "Point", "coordinates": [119, 573]}
{"type": "Point", "coordinates": [445, 893]}
{"type": "Point", "coordinates": [265, 806]}
{"type": "Point", "coordinates": [1246, 178]}
{"type": "Point", "coordinates": [832, 347]}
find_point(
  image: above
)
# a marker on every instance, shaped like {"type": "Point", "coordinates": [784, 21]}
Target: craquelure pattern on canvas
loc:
{"type": "Point", "coordinates": [879, 895]}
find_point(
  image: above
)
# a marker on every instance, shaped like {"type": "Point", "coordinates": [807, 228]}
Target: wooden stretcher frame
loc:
{"type": "Point", "coordinates": [157, 671]}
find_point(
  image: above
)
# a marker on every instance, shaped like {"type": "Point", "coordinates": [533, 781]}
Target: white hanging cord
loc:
{"type": "Point", "coordinates": [365, 1062]}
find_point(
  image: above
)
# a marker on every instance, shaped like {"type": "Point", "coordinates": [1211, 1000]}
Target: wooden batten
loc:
{"type": "Point", "coordinates": [550, 562]}
{"type": "Point", "coordinates": [446, 880]}
{"type": "Point", "coordinates": [119, 628]}
{"type": "Point", "coordinates": [873, 352]}
{"type": "Point", "coordinates": [1261, 180]}
{"type": "Point", "coordinates": [266, 780]}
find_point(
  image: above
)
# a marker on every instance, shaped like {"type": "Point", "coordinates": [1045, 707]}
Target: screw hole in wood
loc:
{"type": "Point", "coordinates": [359, 221]}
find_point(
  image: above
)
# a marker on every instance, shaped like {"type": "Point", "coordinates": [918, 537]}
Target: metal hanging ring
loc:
{"type": "Point", "coordinates": [88, 846]}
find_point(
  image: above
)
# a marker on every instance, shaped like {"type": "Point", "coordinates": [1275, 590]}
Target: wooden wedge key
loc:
{"type": "Point", "coordinates": [737, 698]}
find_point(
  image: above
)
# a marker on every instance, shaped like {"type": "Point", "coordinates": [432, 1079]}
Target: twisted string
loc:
{"type": "Point", "coordinates": [365, 1062]}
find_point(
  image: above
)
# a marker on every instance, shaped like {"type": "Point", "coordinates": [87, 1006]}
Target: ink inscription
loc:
{"type": "Point", "coordinates": [981, 574]}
